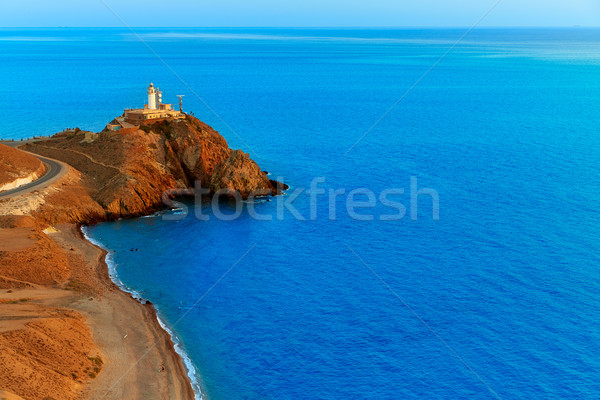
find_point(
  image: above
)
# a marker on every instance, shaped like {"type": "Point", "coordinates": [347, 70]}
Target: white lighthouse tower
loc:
{"type": "Point", "coordinates": [155, 110]}
{"type": "Point", "coordinates": [151, 97]}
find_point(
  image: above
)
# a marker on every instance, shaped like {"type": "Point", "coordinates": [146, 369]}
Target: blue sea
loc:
{"type": "Point", "coordinates": [498, 298]}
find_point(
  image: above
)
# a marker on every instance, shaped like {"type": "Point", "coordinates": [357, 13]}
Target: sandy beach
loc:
{"type": "Point", "coordinates": [138, 356]}
{"type": "Point", "coordinates": [140, 359]}
{"type": "Point", "coordinates": [66, 330]}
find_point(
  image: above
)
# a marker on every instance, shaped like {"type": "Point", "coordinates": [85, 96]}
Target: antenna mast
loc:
{"type": "Point", "coordinates": [181, 96]}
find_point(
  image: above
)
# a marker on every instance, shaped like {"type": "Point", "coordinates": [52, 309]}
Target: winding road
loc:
{"type": "Point", "coordinates": [54, 171]}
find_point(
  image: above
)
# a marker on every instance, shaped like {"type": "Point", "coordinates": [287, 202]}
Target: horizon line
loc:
{"type": "Point", "coordinates": [311, 27]}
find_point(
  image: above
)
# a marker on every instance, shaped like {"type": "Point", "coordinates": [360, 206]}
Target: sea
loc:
{"type": "Point", "coordinates": [441, 235]}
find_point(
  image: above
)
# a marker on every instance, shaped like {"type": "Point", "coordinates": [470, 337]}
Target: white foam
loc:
{"type": "Point", "coordinates": [112, 272]}
{"type": "Point", "coordinates": [191, 370]}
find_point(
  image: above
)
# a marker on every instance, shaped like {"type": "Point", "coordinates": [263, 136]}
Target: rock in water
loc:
{"type": "Point", "coordinates": [278, 187]}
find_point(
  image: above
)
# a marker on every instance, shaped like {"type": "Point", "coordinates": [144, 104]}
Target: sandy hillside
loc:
{"type": "Point", "coordinates": [46, 350]}
{"type": "Point", "coordinates": [15, 165]}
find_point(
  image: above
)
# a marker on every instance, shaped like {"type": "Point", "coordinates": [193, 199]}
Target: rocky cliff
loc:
{"type": "Point", "coordinates": [126, 172]}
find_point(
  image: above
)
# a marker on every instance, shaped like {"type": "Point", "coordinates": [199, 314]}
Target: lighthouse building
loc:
{"type": "Point", "coordinates": [154, 110]}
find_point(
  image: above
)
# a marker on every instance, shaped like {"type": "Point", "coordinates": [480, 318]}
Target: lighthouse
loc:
{"type": "Point", "coordinates": [151, 97]}
{"type": "Point", "coordinates": [155, 110]}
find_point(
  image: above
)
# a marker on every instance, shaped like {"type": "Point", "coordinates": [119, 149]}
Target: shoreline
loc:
{"type": "Point", "coordinates": [143, 356]}
{"type": "Point", "coordinates": [151, 344]}
{"type": "Point", "coordinates": [174, 341]}
{"type": "Point", "coordinates": [83, 321]}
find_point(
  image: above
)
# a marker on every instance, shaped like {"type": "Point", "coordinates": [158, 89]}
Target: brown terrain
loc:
{"type": "Point", "coordinates": [66, 331]}
{"type": "Point", "coordinates": [15, 165]}
{"type": "Point", "coordinates": [125, 173]}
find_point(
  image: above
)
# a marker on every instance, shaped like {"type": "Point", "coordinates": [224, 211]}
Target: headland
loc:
{"type": "Point", "coordinates": [66, 330]}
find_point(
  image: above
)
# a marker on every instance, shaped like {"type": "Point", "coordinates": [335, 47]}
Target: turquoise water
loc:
{"type": "Point", "coordinates": [496, 299]}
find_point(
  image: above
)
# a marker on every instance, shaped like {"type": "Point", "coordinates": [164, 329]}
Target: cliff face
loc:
{"type": "Point", "coordinates": [239, 173]}
{"type": "Point", "coordinates": [197, 146]}
{"type": "Point", "coordinates": [126, 172]}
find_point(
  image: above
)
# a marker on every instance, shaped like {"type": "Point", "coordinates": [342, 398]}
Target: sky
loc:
{"type": "Point", "coordinates": [297, 13]}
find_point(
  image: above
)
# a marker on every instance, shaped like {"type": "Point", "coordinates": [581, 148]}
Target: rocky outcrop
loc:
{"type": "Point", "coordinates": [126, 172]}
{"type": "Point", "coordinates": [278, 187]}
{"type": "Point", "coordinates": [238, 173]}
{"type": "Point", "coordinates": [197, 146]}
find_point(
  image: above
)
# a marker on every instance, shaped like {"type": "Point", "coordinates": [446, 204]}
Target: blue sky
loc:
{"type": "Point", "coordinates": [202, 13]}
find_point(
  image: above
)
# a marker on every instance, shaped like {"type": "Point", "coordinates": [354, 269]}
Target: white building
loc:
{"type": "Point", "coordinates": [152, 96]}
{"type": "Point", "coordinates": [155, 110]}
